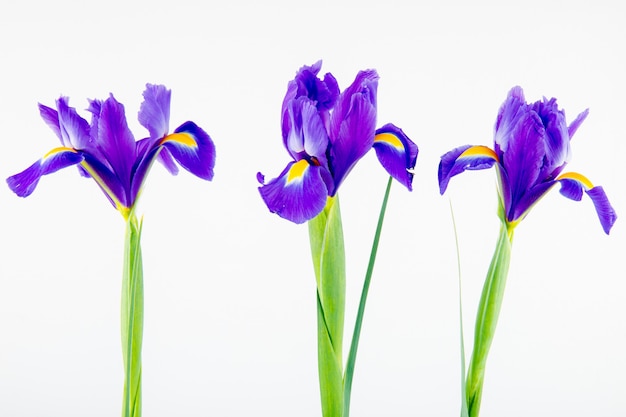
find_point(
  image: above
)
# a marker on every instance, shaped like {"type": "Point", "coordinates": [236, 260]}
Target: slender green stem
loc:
{"type": "Point", "coordinates": [327, 250]}
{"type": "Point", "coordinates": [132, 317]}
{"type": "Point", "coordinates": [487, 317]}
{"type": "Point", "coordinates": [354, 346]}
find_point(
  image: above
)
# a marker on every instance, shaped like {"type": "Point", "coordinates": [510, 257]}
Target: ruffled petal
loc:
{"type": "Point", "coordinates": [463, 158]}
{"type": "Point", "coordinates": [556, 138]}
{"type": "Point", "coordinates": [193, 149]}
{"type": "Point", "coordinates": [396, 153]}
{"type": "Point", "coordinates": [508, 116]}
{"type": "Point", "coordinates": [354, 136]}
{"type": "Point", "coordinates": [365, 84]}
{"type": "Point", "coordinates": [298, 194]}
{"type": "Point", "coordinates": [154, 113]}
{"type": "Point", "coordinates": [24, 183]}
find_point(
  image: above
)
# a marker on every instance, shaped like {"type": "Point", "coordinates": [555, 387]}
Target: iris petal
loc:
{"type": "Point", "coordinates": [24, 183]}
{"type": "Point", "coordinates": [298, 194]}
{"type": "Point", "coordinates": [396, 153]}
{"type": "Point", "coordinates": [355, 135]}
{"type": "Point", "coordinates": [463, 158]}
{"type": "Point", "coordinates": [154, 113]}
{"type": "Point", "coordinates": [74, 129]}
{"type": "Point", "coordinates": [51, 117]}
{"type": "Point", "coordinates": [193, 148]}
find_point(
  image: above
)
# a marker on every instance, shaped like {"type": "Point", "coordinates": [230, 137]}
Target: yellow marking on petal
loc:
{"type": "Point", "coordinates": [297, 170]}
{"type": "Point", "coordinates": [479, 151]}
{"type": "Point", "coordinates": [576, 177]}
{"type": "Point", "coordinates": [118, 205]}
{"type": "Point", "coordinates": [390, 139]}
{"type": "Point", "coordinates": [58, 150]}
{"type": "Point", "coordinates": [182, 138]}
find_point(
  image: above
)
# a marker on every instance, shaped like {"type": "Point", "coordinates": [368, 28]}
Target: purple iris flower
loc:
{"type": "Point", "coordinates": [326, 133]}
{"type": "Point", "coordinates": [106, 150]}
{"type": "Point", "coordinates": [531, 149]}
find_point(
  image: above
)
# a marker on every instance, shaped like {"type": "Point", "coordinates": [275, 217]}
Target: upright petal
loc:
{"type": "Point", "coordinates": [24, 183]}
{"type": "Point", "coordinates": [365, 84]}
{"type": "Point", "coordinates": [154, 113]}
{"type": "Point", "coordinates": [74, 129]}
{"type": "Point", "coordinates": [306, 136]}
{"type": "Point", "coordinates": [51, 118]}
{"type": "Point", "coordinates": [396, 153]}
{"type": "Point", "coordinates": [115, 140]}
{"type": "Point", "coordinates": [508, 117]}
{"type": "Point", "coordinates": [573, 127]}
{"type": "Point", "coordinates": [353, 134]}
{"type": "Point", "coordinates": [298, 194]}
{"type": "Point", "coordinates": [463, 158]}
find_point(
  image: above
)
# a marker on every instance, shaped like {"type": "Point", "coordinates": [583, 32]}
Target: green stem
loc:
{"type": "Point", "coordinates": [132, 317]}
{"type": "Point", "coordinates": [487, 317]}
{"type": "Point", "coordinates": [347, 390]}
{"type": "Point", "coordinates": [327, 251]}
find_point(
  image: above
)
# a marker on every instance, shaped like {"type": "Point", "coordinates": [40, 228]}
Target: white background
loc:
{"type": "Point", "coordinates": [230, 292]}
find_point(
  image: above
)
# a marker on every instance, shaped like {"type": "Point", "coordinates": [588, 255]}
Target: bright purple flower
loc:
{"type": "Point", "coordinates": [326, 133]}
{"type": "Point", "coordinates": [106, 150]}
{"type": "Point", "coordinates": [531, 148]}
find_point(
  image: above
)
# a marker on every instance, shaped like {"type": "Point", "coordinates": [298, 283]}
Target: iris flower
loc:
{"type": "Point", "coordinates": [106, 151]}
{"type": "Point", "coordinates": [531, 150]}
{"type": "Point", "coordinates": [326, 133]}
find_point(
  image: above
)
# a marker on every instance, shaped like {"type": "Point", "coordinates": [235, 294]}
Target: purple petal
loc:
{"type": "Point", "coordinates": [605, 211]}
{"type": "Point", "coordinates": [74, 129]}
{"type": "Point", "coordinates": [571, 189]}
{"type": "Point", "coordinates": [556, 138]}
{"type": "Point", "coordinates": [115, 140]}
{"type": "Point", "coordinates": [523, 158]}
{"type": "Point", "coordinates": [306, 134]}
{"type": "Point", "coordinates": [526, 201]}
{"type": "Point", "coordinates": [51, 117]}
{"type": "Point", "coordinates": [24, 183]}
{"type": "Point", "coordinates": [508, 117]}
{"type": "Point", "coordinates": [193, 148]}
{"type": "Point", "coordinates": [298, 194]}
{"type": "Point", "coordinates": [354, 135]}
{"type": "Point", "coordinates": [396, 153]}
{"type": "Point", "coordinates": [573, 127]}
{"type": "Point", "coordinates": [108, 181]}
{"type": "Point", "coordinates": [365, 84]}
{"type": "Point", "coordinates": [463, 158]}
{"type": "Point", "coordinates": [154, 113]}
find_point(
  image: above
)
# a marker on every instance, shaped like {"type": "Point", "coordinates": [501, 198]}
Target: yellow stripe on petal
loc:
{"type": "Point", "coordinates": [576, 177]}
{"type": "Point", "coordinates": [297, 170]}
{"type": "Point", "coordinates": [479, 151]}
{"type": "Point", "coordinates": [390, 139]}
{"type": "Point", "coordinates": [182, 138]}
{"type": "Point", "coordinates": [59, 150]}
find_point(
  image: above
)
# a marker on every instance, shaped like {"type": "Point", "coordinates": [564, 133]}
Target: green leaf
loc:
{"type": "Point", "coordinates": [132, 317]}
{"type": "Point", "coordinates": [327, 251]}
{"type": "Point", "coordinates": [464, 411]}
{"type": "Point", "coordinates": [487, 317]}
{"type": "Point", "coordinates": [354, 346]}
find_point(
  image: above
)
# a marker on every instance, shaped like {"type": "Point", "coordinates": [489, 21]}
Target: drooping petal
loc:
{"type": "Point", "coordinates": [463, 158]}
{"type": "Point", "coordinates": [572, 186]}
{"type": "Point", "coordinates": [396, 153]}
{"type": "Point", "coordinates": [154, 113]}
{"type": "Point", "coordinates": [354, 136]}
{"type": "Point", "coordinates": [605, 211]}
{"type": "Point", "coordinates": [24, 183]}
{"type": "Point", "coordinates": [193, 149]}
{"type": "Point", "coordinates": [298, 194]}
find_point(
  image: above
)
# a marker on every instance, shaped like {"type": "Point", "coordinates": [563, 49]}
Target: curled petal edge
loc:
{"type": "Point", "coordinates": [396, 153]}
{"type": "Point", "coordinates": [463, 158]}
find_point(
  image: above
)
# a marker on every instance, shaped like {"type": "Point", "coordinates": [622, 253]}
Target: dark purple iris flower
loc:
{"type": "Point", "coordinates": [106, 150]}
{"type": "Point", "coordinates": [531, 149]}
{"type": "Point", "coordinates": [326, 133]}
